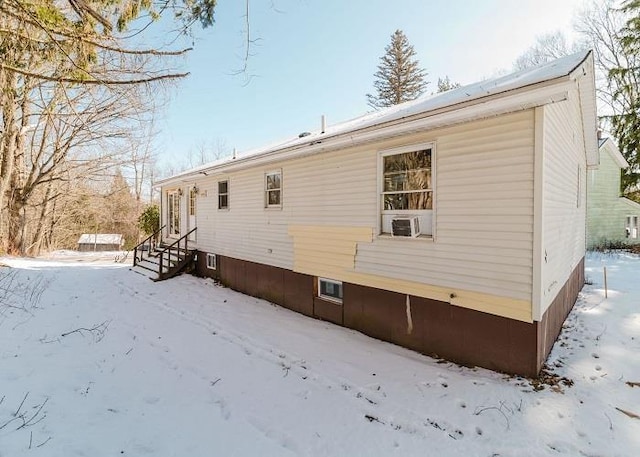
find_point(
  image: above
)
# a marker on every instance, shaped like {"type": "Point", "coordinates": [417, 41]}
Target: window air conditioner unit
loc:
{"type": "Point", "coordinates": [407, 226]}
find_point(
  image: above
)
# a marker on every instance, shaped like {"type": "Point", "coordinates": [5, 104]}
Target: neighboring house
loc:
{"type": "Point", "coordinates": [100, 242]}
{"type": "Point", "coordinates": [612, 220]}
{"type": "Point", "coordinates": [453, 224]}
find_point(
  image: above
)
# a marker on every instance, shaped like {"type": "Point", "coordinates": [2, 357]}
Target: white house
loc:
{"type": "Point", "coordinates": [453, 224]}
{"type": "Point", "coordinates": [612, 220]}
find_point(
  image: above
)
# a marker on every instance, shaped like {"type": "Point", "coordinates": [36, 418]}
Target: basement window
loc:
{"type": "Point", "coordinates": [212, 262]}
{"type": "Point", "coordinates": [330, 289]}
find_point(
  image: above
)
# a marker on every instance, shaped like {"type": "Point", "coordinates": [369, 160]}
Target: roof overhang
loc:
{"type": "Point", "coordinates": [584, 75]}
{"type": "Point", "coordinates": [480, 106]}
{"type": "Point", "coordinates": [517, 101]}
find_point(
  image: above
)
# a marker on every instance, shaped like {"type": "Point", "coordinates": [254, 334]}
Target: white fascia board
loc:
{"type": "Point", "coordinates": [584, 76]}
{"type": "Point", "coordinates": [515, 102]}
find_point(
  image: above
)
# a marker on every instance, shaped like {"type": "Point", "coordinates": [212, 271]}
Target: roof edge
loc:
{"type": "Point", "coordinates": [484, 97]}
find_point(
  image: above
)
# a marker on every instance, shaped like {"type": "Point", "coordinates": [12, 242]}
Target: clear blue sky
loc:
{"type": "Point", "coordinates": [318, 57]}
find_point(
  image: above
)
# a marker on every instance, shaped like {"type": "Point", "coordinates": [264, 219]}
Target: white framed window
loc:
{"type": "Point", "coordinates": [329, 289]}
{"type": "Point", "coordinates": [406, 187]}
{"type": "Point", "coordinates": [173, 211]}
{"type": "Point", "coordinates": [631, 228]}
{"type": "Point", "coordinates": [223, 194]}
{"type": "Point", "coordinates": [192, 201]}
{"type": "Point", "coordinates": [273, 189]}
{"type": "Point", "coordinates": [212, 262]}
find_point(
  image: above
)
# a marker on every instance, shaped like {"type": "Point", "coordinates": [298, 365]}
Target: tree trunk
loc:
{"type": "Point", "coordinates": [7, 151]}
{"type": "Point", "coordinates": [14, 244]}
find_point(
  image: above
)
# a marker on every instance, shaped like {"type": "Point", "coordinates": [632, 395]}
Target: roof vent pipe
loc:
{"type": "Point", "coordinates": [234, 153]}
{"type": "Point", "coordinates": [323, 123]}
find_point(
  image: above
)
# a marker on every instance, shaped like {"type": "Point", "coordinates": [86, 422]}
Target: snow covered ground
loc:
{"type": "Point", "coordinates": [96, 360]}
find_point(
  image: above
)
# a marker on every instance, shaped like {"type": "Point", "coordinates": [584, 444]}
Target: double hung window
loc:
{"type": "Point", "coordinates": [406, 185]}
{"type": "Point", "coordinates": [223, 194]}
{"type": "Point", "coordinates": [273, 189]}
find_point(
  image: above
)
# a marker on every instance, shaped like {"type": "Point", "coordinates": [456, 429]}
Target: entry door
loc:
{"type": "Point", "coordinates": [192, 212]}
{"type": "Point", "coordinates": [173, 212]}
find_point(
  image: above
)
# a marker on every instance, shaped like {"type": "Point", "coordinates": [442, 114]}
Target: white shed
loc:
{"type": "Point", "coordinates": [100, 242]}
{"type": "Point", "coordinates": [453, 224]}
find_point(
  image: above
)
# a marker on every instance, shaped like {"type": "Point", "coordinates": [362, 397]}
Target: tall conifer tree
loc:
{"type": "Point", "coordinates": [399, 77]}
{"type": "Point", "coordinates": [625, 80]}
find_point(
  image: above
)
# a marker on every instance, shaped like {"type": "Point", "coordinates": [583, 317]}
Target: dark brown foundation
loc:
{"type": "Point", "coordinates": [550, 326]}
{"type": "Point", "coordinates": [438, 329]}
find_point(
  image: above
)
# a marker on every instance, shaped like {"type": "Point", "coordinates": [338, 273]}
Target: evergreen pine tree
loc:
{"type": "Point", "coordinates": [399, 78]}
{"type": "Point", "coordinates": [445, 84]}
{"type": "Point", "coordinates": [624, 80]}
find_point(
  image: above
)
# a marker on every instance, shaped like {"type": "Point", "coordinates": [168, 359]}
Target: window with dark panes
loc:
{"type": "Point", "coordinates": [273, 189]}
{"type": "Point", "coordinates": [223, 194]}
{"type": "Point", "coordinates": [192, 202]}
{"type": "Point", "coordinates": [406, 184]}
{"type": "Point", "coordinates": [407, 181]}
{"type": "Point", "coordinates": [330, 289]}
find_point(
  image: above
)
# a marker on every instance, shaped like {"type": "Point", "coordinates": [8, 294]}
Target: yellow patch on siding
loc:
{"type": "Point", "coordinates": [330, 252]}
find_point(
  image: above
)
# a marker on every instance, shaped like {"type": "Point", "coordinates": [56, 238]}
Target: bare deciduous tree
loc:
{"type": "Point", "coordinates": [547, 47]}
{"type": "Point", "coordinates": [603, 26]}
{"type": "Point", "coordinates": [70, 90]}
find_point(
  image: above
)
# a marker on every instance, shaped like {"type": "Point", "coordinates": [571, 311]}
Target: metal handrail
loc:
{"type": "Point", "coordinates": [174, 246]}
{"type": "Point", "coordinates": [150, 240]}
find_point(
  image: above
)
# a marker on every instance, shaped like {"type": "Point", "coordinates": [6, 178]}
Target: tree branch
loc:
{"type": "Point", "coordinates": [108, 82]}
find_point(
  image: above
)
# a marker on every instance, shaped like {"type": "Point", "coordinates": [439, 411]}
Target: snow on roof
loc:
{"type": "Point", "coordinates": [545, 72]}
{"type": "Point", "coordinates": [100, 238]}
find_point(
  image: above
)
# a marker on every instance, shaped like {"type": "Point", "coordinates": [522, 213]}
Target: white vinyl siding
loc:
{"type": "Point", "coordinates": [483, 213]}
{"type": "Point", "coordinates": [344, 193]}
{"type": "Point", "coordinates": [245, 231]}
{"type": "Point", "coordinates": [564, 222]}
{"type": "Point", "coordinates": [483, 201]}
